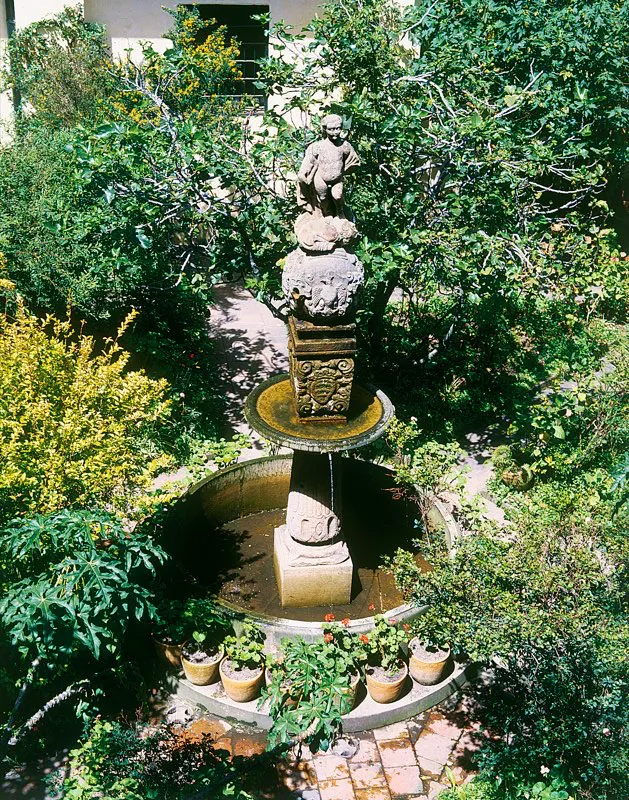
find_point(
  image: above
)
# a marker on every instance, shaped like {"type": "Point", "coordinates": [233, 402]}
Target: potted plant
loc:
{"type": "Point", "coordinates": [202, 653]}
{"type": "Point", "coordinates": [429, 662]}
{"type": "Point", "coordinates": [347, 651]}
{"type": "Point", "coordinates": [386, 671]}
{"type": "Point", "coordinates": [242, 669]}
{"type": "Point", "coordinates": [169, 632]}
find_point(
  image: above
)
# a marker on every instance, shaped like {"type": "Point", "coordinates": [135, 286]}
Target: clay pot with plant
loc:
{"type": "Point", "coordinates": [242, 669]}
{"type": "Point", "coordinates": [312, 685]}
{"type": "Point", "coordinates": [429, 663]}
{"type": "Point", "coordinates": [169, 633]}
{"type": "Point", "coordinates": [201, 655]}
{"type": "Point", "coordinates": [386, 670]}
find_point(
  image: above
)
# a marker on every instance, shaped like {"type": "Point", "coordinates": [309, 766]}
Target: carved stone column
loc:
{"type": "Point", "coordinates": [312, 563]}
{"type": "Point", "coordinates": [321, 290]}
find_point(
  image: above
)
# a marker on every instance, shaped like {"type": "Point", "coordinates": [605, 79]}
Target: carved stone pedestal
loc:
{"type": "Point", "coordinates": [322, 368]}
{"type": "Point", "coordinates": [312, 563]}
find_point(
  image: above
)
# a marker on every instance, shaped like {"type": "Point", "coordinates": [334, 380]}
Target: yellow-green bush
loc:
{"type": "Point", "coordinates": [76, 427]}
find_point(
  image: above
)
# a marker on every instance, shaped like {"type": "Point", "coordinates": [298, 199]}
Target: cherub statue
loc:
{"type": "Point", "coordinates": [320, 177]}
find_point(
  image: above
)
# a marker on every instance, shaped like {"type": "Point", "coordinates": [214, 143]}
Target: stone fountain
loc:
{"type": "Point", "coordinates": [318, 409]}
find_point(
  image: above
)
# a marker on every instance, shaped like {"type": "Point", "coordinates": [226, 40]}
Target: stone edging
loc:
{"type": "Point", "coordinates": [367, 715]}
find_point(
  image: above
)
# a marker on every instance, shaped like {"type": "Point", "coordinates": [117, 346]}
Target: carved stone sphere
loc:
{"type": "Point", "coordinates": [322, 288]}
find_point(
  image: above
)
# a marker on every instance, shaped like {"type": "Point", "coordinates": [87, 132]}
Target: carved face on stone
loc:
{"type": "Point", "coordinates": [332, 126]}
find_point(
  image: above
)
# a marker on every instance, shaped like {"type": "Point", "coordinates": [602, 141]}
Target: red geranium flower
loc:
{"type": "Point", "coordinates": [327, 637]}
{"type": "Point", "coordinates": [364, 639]}
{"type": "Point", "coordinates": [345, 621]}
{"type": "Point", "coordinates": [372, 607]}
{"type": "Point", "coordinates": [329, 618]}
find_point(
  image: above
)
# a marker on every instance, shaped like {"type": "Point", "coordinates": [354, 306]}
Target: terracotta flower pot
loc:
{"type": "Point", "coordinates": [428, 666]}
{"type": "Point", "coordinates": [386, 691]}
{"type": "Point", "coordinates": [169, 653]}
{"type": "Point", "coordinates": [204, 672]}
{"type": "Point", "coordinates": [241, 690]}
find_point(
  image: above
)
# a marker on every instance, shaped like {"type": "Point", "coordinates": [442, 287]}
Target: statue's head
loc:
{"type": "Point", "coordinates": [332, 124]}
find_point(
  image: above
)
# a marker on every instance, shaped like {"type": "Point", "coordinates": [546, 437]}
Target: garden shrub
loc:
{"type": "Point", "coordinates": [77, 428]}
{"type": "Point", "coordinates": [545, 603]}
{"type": "Point", "coordinates": [59, 68]}
{"type": "Point", "coordinates": [124, 763]}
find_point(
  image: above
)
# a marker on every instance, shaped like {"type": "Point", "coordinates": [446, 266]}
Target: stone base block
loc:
{"type": "Point", "coordinates": [311, 584]}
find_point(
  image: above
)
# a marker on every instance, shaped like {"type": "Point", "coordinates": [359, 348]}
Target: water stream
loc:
{"type": "Point", "coordinates": [331, 483]}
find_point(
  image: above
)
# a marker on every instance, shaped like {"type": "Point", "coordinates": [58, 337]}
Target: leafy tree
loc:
{"type": "Point", "coordinates": [486, 138]}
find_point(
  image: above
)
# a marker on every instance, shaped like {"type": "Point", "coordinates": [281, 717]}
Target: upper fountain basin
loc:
{"type": "Point", "coordinates": [270, 410]}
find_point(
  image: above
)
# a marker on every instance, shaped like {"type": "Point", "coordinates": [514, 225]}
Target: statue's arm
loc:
{"type": "Point", "coordinates": [308, 166]}
{"type": "Point", "coordinates": [351, 158]}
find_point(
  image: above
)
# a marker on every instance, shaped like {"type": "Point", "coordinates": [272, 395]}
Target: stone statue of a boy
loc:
{"type": "Point", "coordinates": [320, 177]}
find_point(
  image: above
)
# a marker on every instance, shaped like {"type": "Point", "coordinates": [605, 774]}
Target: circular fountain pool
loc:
{"type": "Point", "coordinates": [221, 534]}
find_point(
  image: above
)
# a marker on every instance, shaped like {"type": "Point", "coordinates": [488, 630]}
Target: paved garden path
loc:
{"type": "Point", "coordinates": [404, 761]}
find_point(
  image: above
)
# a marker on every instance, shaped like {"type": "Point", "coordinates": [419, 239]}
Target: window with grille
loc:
{"type": "Point", "coordinates": [252, 39]}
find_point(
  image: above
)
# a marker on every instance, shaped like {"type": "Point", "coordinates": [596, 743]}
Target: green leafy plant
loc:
{"type": "Point", "coordinates": [207, 625]}
{"type": "Point", "coordinates": [60, 69]}
{"type": "Point", "coordinates": [345, 647]}
{"type": "Point", "coordinates": [74, 582]}
{"type": "Point", "coordinates": [81, 428]}
{"type": "Point", "coordinates": [383, 643]}
{"type": "Point", "coordinates": [246, 651]}
{"type": "Point", "coordinates": [127, 763]}
{"type": "Point", "coordinates": [310, 690]}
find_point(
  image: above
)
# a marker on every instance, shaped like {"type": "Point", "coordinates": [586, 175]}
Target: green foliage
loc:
{"type": "Point", "coordinates": [59, 66]}
{"type": "Point", "coordinates": [73, 581]}
{"type": "Point", "coordinates": [481, 789]}
{"type": "Point", "coordinates": [196, 618]}
{"type": "Point", "coordinates": [123, 763]}
{"type": "Point", "coordinates": [77, 427]}
{"type": "Point", "coordinates": [479, 136]}
{"type": "Point", "coordinates": [577, 417]}
{"type": "Point", "coordinates": [310, 691]}
{"type": "Point", "coordinates": [246, 649]}
{"type": "Point", "coordinates": [548, 601]}
{"type": "Point", "coordinates": [347, 649]}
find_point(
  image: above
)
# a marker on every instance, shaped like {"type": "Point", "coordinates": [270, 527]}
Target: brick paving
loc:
{"type": "Point", "coordinates": [404, 761]}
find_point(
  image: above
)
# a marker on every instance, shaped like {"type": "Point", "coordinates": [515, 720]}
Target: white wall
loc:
{"type": "Point", "coordinates": [27, 11]}
{"type": "Point", "coordinates": [129, 21]}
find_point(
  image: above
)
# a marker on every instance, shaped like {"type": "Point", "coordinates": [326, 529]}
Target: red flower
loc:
{"type": "Point", "coordinates": [364, 639]}
{"type": "Point", "coordinates": [393, 621]}
{"type": "Point", "coordinates": [372, 607]}
{"type": "Point", "coordinates": [406, 626]}
{"type": "Point", "coordinates": [329, 618]}
{"type": "Point", "coordinates": [191, 355]}
{"type": "Point", "coordinates": [345, 621]}
{"type": "Point", "coordinates": [327, 637]}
